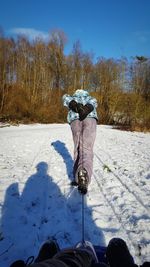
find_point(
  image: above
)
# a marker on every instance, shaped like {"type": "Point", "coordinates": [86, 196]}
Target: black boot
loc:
{"type": "Point", "coordinates": [82, 181]}
{"type": "Point", "coordinates": [118, 255]}
{"type": "Point", "coordinates": [21, 263]}
{"type": "Point", "coordinates": [18, 263]}
{"type": "Point", "coordinates": [47, 251]}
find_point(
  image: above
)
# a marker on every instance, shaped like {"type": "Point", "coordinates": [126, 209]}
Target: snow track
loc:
{"type": "Point", "coordinates": [131, 188]}
{"type": "Point", "coordinates": [125, 206]}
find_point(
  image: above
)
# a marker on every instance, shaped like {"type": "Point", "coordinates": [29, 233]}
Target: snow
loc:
{"type": "Point", "coordinates": [37, 202]}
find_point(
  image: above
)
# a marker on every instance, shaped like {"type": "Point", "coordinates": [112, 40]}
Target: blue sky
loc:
{"type": "Point", "coordinates": [107, 28]}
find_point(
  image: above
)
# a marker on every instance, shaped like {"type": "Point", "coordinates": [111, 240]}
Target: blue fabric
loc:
{"type": "Point", "coordinates": [101, 253]}
{"type": "Point", "coordinates": [82, 97]}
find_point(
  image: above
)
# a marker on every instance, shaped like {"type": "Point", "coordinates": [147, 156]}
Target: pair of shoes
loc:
{"type": "Point", "coordinates": [118, 254]}
{"type": "Point", "coordinates": [47, 251]}
{"type": "Point", "coordinates": [82, 181]}
{"type": "Point", "coordinates": [21, 263]}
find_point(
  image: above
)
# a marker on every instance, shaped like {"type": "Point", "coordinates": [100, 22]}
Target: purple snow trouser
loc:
{"type": "Point", "coordinates": [84, 133]}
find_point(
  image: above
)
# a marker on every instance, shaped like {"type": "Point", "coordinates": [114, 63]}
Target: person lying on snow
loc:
{"type": "Point", "coordinates": [83, 255]}
{"type": "Point", "coordinates": [82, 117]}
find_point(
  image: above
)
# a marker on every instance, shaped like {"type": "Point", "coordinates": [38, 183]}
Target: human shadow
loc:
{"type": "Point", "coordinates": [61, 148]}
{"type": "Point", "coordinates": [39, 213]}
{"type": "Point", "coordinates": [24, 216]}
{"type": "Point", "coordinates": [9, 223]}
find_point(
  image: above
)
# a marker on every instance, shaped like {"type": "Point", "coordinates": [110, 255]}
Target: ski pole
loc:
{"type": "Point", "coordinates": [83, 239]}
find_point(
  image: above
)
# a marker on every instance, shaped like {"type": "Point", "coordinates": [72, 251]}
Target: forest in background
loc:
{"type": "Point", "coordinates": [35, 74]}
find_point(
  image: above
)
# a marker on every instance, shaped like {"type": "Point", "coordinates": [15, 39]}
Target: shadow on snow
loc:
{"type": "Point", "coordinates": [42, 212]}
{"type": "Point", "coordinates": [61, 148]}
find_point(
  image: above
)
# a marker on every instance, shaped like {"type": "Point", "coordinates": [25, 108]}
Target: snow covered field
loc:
{"type": "Point", "coordinates": [37, 202]}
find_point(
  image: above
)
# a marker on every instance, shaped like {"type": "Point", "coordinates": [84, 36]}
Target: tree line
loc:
{"type": "Point", "coordinates": [35, 74]}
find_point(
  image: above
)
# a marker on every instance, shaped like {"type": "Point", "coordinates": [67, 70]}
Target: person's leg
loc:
{"type": "Point", "coordinates": [87, 138]}
{"type": "Point", "coordinates": [88, 246]}
{"type": "Point", "coordinates": [76, 257]}
{"type": "Point", "coordinates": [76, 127]}
{"type": "Point", "coordinates": [68, 258]}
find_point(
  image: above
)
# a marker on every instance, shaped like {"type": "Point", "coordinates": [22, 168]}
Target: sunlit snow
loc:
{"type": "Point", "coordinates": [37, 202]}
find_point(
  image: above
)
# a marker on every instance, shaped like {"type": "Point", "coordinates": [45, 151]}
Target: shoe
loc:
{"type": "Point", "coordinates": [82, 181]}
{"type": "Point", "coordinates": [20, 263]}
{"type": "Point", "coordinates": [117, 253]}
{"type": "Point", "coordinates": [47, 251]}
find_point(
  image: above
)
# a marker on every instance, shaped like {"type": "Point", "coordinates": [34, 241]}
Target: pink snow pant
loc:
{"type": "Point", "coordinates": [84, 133]}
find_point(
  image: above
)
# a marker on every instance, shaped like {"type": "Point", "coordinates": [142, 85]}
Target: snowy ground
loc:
{"type": "Point", "coordinates": [37, 202]}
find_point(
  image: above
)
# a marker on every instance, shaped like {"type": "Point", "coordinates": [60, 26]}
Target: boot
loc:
{"type": "Point", "coordinates": [21, 263]}
{"type": "Point", "coordinates": [47, 251]}
{"type": "Point", "coordinates": [82, 181]}
{"type": "Point", "coordinates": [118, 254]}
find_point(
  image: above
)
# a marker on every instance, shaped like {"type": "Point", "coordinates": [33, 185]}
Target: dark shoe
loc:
{"type": "Point", "coordinates": [47, 251]}
{"type": "Point", "coordinates": [21, 263]}
{"type": "Point", "coordinates": [82, 181]}
{"type": "Point", "coordinates": [146, 264]}
{"type": "Point", "coordinates": [117, 253]}
{"type": "Point", "coordinates": [18, 263]}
